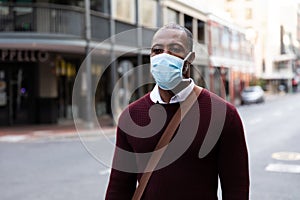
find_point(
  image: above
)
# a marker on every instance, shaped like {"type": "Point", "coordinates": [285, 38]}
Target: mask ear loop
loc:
{"type": "Point", "coordinates": [185, 68]}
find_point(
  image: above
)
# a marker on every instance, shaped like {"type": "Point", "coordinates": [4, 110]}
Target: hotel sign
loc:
{"type": "Point", "coordinates": [14, 55]}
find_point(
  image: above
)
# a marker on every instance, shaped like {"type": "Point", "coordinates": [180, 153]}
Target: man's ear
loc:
{"type": "Point", "coordinates": [191, 58]}
{"type": "Point", "coordinates": [187, 63]}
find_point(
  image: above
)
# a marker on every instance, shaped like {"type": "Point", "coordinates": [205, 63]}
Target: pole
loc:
{"type": "Point", "coordinates": [139, 52]}
{"type": "Point", "coordinates": [113, 59]}
{"type": "Point", "coordinates": [88, 61]}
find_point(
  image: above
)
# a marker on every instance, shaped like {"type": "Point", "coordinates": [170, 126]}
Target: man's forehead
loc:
{"type": "Point", "coordinates": [167, 35]}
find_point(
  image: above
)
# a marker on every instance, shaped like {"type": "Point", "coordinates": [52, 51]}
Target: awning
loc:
{"type": "Point", "coordinates": [277, 76]}
{"type": "Point", "coordinates": [284, 57]}
{"type": "Point", "coordinates": [232, 63]}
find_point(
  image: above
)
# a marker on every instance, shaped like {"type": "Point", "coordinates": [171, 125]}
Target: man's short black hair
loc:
{"type": "Point", "coordinates": [187, 31]}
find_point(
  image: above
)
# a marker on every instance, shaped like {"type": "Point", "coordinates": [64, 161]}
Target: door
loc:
{"type": "Point", "coordinates": [20, 93]}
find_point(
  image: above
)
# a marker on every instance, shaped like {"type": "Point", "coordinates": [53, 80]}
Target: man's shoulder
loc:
{"type": "Point", "coordinates": [213, 99]}
{"type": "Point", "coordinates": [143, 101]}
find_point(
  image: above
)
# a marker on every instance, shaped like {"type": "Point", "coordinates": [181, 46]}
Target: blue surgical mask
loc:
{"type": "Point", "coordinates": [167, 70]}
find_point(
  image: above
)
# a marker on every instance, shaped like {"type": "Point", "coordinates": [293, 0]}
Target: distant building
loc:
{"type": "Point", "coordinates": [274, 29]}
{"type": "Point", "coordinates": [231, 59]}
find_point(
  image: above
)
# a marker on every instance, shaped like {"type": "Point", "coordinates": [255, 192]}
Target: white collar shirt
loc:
{"type": "Point", "coordinates": [179, 97]}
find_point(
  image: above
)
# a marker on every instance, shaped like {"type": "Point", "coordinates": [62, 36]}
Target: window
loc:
{"type": "Point", "coordinates": [248, 13]}
{"type": "Point", "coordinates": [68, 2]}
{"type": "Point", "coordinates": [124, 10]}
{"type": "Point", "coordinates": [225, 38]}
{"type": "Point", "coordinates": [101, 5]}
{"type": "Point", "coordinates": [173, 16]}
{"type": "Point", "coordinates": [201, 31]}
{"type": "Point", "coordinates": [215, 40]}
{"type": "Point", "coordinates": [235, 41]}
{"type": "Point", "coordinates": [148, 12]}
{"type": "Point", "coordinates": [188, 22]}
{"type": "Point", "coordinates": [23, 1]}
{"type": "Point", "coordinates": [231, 13]}
{"type": "Point", "coordinates": [23, 18]}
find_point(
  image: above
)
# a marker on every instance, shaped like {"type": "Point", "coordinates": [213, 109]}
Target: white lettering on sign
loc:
{"type": "Point", "coordinates": [23, 55]}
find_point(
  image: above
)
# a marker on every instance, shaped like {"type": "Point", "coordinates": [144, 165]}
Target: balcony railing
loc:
{"type": "Point", "coordinates": [42, 18]}
{"type": "Point", "coordinates": [53, 20]}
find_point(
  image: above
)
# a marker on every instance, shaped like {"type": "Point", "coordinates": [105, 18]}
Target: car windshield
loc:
{"type": "Point", "coordinates": [251, 89]}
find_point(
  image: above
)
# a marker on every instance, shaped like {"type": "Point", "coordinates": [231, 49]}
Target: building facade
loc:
{"type": "Point", "coordinates": [273, 28]}
{"type": "Point", "coordinates": [231, 59]}
{"type": "Point", "coordinates": [44, 45]}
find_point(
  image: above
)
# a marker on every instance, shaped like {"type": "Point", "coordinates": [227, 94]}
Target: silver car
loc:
{"type": "Point", "coordinates": [252, 94]}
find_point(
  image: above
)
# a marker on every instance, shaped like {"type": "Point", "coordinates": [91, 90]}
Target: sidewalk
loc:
{"type": "Point", "coordinates": [18, 133]}
{"type": "Point", "coordinates": [279, 95]}
{"type": "Point", "coordinates": [67, 129]}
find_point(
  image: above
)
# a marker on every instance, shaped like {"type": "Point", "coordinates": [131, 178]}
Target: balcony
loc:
{"type": "Point", "coordinates": [46, 24]}
{"type": "Point", "coordinates": [42, 19]}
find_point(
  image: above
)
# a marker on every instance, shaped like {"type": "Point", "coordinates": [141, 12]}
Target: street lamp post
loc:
{"type": "Point", "coordinates": [88, 61]}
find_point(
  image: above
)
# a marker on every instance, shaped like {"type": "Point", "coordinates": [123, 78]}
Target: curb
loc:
{"type": "Point", "coordinates": [58, 134]}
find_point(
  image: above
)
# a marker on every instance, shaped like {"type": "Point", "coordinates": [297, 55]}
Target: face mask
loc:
{"type": "Point", "coordinates": [167, 70]}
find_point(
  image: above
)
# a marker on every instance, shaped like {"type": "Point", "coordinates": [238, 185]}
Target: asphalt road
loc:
{"type": "Point", "coordinates": [273, 136]}
{"type": "Point", "coordinates": [60, 169]}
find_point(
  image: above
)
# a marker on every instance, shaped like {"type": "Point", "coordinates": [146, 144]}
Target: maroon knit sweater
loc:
{"type": "Point", "coordinates": [188, 177]}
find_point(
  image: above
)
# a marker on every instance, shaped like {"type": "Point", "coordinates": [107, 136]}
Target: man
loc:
{"type": "Point", "coordinates": [192, 175]}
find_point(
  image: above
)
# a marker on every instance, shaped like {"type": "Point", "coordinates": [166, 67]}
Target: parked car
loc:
{"type": "Point", "coordinates": [252, 94]}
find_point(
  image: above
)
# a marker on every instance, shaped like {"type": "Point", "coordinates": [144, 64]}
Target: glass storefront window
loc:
{"type": "Point", "coordinates": [124, 10]}
{"type": "Point", "coordinates": [148, 12]}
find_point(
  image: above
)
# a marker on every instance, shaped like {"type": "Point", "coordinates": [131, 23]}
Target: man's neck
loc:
{"type": "Point", "coordinates": [166, 95]}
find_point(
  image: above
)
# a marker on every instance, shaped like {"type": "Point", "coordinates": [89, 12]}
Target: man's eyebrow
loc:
{"type": "Point", "coordinates": [157, 45]}
{"type": "Point", "coordinates": [173, 44]}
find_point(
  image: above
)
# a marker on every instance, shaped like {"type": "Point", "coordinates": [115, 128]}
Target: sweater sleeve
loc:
{"type": "Point", "coordinates": [233, 159]}
{"type": "Point", "coordinates": [121, 184]}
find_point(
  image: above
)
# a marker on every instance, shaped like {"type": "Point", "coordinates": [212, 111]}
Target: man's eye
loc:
{"type": "Point", "coordinates": [157, 51]}
{"type": "Point", "coordinates": [175, 50]}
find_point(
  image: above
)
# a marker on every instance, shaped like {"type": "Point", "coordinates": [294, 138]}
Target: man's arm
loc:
{"type": "Point", "coordinates": [233, 159]}
{"type": "Point", "coordinates": [121, 184]}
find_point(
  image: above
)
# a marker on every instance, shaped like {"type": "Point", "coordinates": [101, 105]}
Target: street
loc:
{"type": "Point", "coordinates": [62, 169]}
{"type": "Point", "coordinates": [272, 128]}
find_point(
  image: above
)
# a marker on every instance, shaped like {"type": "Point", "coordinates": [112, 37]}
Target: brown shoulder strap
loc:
{"type": "Point", "coordinates": [164, 140]}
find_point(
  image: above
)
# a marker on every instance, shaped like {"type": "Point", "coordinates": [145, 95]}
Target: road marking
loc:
{"type": "Point", "coordinates": [279, 167]}
{"type": "Point", "coordinates": [286, 156]}
{"type": "Point", "coordinates": [104, 172]}
{"type": "Point", "coordinates": [12, 138]}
